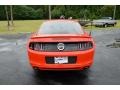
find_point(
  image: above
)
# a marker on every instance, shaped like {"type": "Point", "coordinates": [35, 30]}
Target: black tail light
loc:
{"type": "Point", "coordinates": [71, 46]}
{"type": "Point", "coordinates": [36, 46]}
{"type": "Point", "coordinates": [85, 45]}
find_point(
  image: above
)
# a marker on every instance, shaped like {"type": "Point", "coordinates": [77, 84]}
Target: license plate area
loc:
{"type": "Point", "coordinates": [61, 60]}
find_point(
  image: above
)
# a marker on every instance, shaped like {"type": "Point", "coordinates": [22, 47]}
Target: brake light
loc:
{"type": "Point", "coordinates": [85, 45]}
{"type": "Point", "coordinates": [38, 46]}
{"type": "Point", "coordinates": [35, 46]}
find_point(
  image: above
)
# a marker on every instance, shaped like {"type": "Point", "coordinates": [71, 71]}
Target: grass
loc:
{"type": "Point", "coordinates": [23, 26]}
{"type": "Point", "coordinates": [20, 26]}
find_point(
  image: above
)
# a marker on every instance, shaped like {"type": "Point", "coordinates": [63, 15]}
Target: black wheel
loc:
{"type": "Point", "coordinates": [105, 25]}
{"type": "Point", "coordinates": [36, 70]}
{"type": "Point", "coordinates": [85, 70]}
{"type": "Point", "coordinates": [96, 26]}
{"type": "Point", "coordinates": [113, 25]}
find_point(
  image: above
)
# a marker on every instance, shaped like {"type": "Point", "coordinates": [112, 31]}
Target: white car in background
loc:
{"type": "Point", "coordinates": [104, 22]}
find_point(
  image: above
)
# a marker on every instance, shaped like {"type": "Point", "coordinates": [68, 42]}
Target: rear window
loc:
{"type": "Point", "coordinates": [60, 27]}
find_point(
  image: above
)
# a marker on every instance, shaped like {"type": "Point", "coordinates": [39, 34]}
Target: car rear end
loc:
{"type": "Point", "coordinates": [61, 45]}
{"type": "Point", "coordinates": [44, 54]}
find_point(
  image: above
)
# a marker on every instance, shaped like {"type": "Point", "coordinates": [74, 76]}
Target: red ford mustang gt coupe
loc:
{"type": "Point", "coordinates": [60, 45]}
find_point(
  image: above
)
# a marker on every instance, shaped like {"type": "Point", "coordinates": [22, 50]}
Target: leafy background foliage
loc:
{"type": "Point", "coordinates": [33, 12]}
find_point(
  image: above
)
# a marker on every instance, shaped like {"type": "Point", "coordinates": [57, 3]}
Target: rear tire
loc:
{"type": "Point", "coordinates": [85, 71]}
{"type": "Point", "coordinates": [105, 25]}
{"type": "Point", "coordinates": [113, 25]}
{"type": "Point", "coordinates": [36, 70]}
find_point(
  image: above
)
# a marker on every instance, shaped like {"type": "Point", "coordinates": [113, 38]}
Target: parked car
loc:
{"type": "Point", "coordinates": [104, 22]}
{"type": "Point", "coordinates": [60, 45]}
{"type": "Point", "coordinates": [83, 22]}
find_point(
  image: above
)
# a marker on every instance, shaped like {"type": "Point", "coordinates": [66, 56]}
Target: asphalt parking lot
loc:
{"type": "Point", "coordinates": [15, 68]}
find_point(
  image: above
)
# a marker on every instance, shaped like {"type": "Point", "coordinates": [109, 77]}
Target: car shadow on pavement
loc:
{"type": "Point", "coordinates": [62, 77]}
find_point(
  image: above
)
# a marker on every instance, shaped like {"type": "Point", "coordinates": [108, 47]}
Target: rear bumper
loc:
{"type": "Point", "coordinates": [84, 59]}
{"type": "Point", "coordinates": [62, 66]}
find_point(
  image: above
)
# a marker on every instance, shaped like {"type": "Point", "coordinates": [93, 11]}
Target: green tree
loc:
{"type": "Point", "coordinates": [107, 11]}
{"type": "Point", "coordinates": [24, 12]}
{"type": "Point", "coordinates": [39, 13]}
{"type": "Point", "coordinates": [58, 11]}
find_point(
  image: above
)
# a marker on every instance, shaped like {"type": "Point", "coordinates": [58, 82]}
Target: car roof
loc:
{"type": "Point", "coordinates": [62, 20]}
